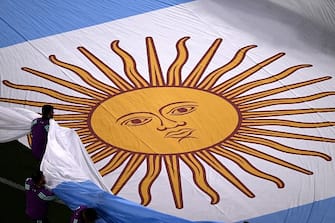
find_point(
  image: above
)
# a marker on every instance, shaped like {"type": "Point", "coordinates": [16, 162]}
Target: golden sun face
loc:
{"type": "Point", "coordinates": [165, 121]}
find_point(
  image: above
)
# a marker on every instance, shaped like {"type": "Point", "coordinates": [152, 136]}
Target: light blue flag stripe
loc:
{"type": "Point", "coordinates": [319, 211]}
{"type": "Point", "coordinates": [24, 20]}
{"type": "Point", "coordinates": [112, 208]}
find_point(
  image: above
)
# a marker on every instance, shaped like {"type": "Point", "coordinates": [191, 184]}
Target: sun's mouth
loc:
{"type": "Point", "coordinates": [179, 134]}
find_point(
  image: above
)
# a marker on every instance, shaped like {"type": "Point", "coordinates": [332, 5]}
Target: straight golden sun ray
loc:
{"type": "Point", "coordinates": [127, 124]}
{"type": "Point", "coordinates": [155, 71]}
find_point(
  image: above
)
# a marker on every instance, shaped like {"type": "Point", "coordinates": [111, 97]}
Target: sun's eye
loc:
{"type": "Point", "coordinates": [182, 110]}
{"type": "Point", "coordinates": [136, 121]}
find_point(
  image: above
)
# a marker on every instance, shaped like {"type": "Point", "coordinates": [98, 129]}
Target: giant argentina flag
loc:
{"type": "Point", "coordinates": [205, 110]}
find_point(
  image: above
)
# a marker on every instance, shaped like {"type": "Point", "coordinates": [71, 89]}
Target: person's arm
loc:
{"type": "Point", "coordinates": [46, 194]}
{"type": "Point", "coordinates": [27, 184]}
{"type": "Point", "coordinates": [76, 214]}
{"type": "Point", "coordinates": [33, 123]}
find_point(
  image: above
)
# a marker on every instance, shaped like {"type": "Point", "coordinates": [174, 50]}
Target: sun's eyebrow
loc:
{"type": "Point", "coordinates": [133, 113]}
{"type": "Point", "coordinates": [176, 103]}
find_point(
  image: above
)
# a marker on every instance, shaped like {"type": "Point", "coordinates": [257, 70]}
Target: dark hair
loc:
{"type": "Point", "coordinates": [46, 110]}
{"type": "Point", "coordinates": [37, 176]}
{"type": "Point", "coordinates": [90, 214]}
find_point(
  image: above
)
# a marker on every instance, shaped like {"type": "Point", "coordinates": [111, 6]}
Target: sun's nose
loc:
{"type": "Point", "coordinates": [169, 124]}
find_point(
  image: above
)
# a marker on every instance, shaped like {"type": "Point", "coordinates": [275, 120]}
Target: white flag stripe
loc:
{"type": "Point", "coordinates": [276, 30]}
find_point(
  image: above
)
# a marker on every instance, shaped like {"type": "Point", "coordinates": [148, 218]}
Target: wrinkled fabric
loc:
{"type": "Point", "coordinates": [112, 208]}
{"type": "Point", "coordinates": [15, 123]}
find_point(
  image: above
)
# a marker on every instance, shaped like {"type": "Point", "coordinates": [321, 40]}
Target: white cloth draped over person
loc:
{"type": "Point", "coordinates": [15, 123]}
{"type": "Point", "coordinates": [71, 175]}
{"type": "Point", "coordinates": [66, 157]}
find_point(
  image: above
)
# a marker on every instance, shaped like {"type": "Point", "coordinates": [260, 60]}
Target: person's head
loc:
{"type": "Point", "coordinates": [89, 215]}
{"type": "Point", "coordinates": [38, 178]}
{"type": "Point", "coordinates": [47, 111]}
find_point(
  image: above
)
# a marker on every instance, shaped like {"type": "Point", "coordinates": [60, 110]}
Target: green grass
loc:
{"type": "Point", "coordinates": [16, 165]}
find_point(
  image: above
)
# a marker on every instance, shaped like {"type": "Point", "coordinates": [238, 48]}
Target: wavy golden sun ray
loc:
{"type": "Point", "coordinates": [90, 148]}
{"type": "Point", "coordinates": [274, 133]}
{"type": "Point", "coordinates": [199, 176]}
{"type": "Point", "coordinates": [71, 117]}
{"type": "Point", "coordinates": [114, 163]}
{"type": "Point", "coordinates": [261, 114]}
{"type": "Point", "coordinates": [70, 108]}
{"type": "Point", "coordinates": [109, 72]}
{"type": "Point", "coordinates": [224, 171]}
{"type": "Point", "coordinates": [82, 132]}
{"type": "Point", "coordinates": [253, 152]}
{"type": "Point", "coordinates": [266, 103]}
{"type": "Point", "coordinates": [263, 94]}
{"type": "Point", "coordinates": [85, 76]}
{"type": "Point", "coordinates": [235, 80]}
{"type": "Point", "coordinates": [88, 139]}
{"type": "Point", "coordinates": [246, 87]}
{"type": "Point", "coordinates": [134, 162]}
{"type": "Point", "coordinates": [106, 152]}
{"type": "Point", "coordinates": [78, 125]}
{"type": "Point", "coordinates": [76, 87]}
{"type": "Point", "coordinates": [280, 147]}
{"type": "Point", "coordinates": [129, 66]}
{"type": "Point", "coordinates": [279, 122]}
{"type": "Point", "coordinates": [154, 167]}
{"type": "Point", "coordinates": [193, 78]}
{"type": "Point", "coordinates": [53, 93]}
{"type": "Point", "coordinates": [134, 103]}
{"type": "Point", "coordinates": [214, 76]}
{"type": "Point", "coordinates": [174, 71]}
{"type": "Point", "coordinates": [246, 165]}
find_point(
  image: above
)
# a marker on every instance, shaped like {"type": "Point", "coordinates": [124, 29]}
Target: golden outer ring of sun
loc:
{"type": "Point", "coordinates": [102, 120]}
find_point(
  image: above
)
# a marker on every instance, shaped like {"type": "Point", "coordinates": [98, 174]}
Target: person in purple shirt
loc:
{"type": "Point", "coordinates": [37, 198]}
{"type": "Point", "coordinates": [39, 132]}
{"type": "Point", "coordinates": [84, 214]}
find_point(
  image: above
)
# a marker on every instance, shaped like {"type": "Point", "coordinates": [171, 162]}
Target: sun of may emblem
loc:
{"type": "Point", "coordinates": [168, 119]}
